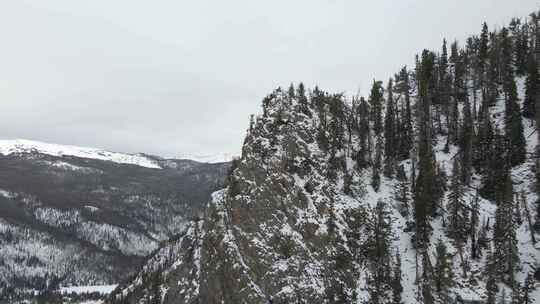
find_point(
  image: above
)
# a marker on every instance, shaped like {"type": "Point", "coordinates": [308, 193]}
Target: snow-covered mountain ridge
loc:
{"type": "Point", "coordinates": [24, 146]}
{"type": "Point", "coordinates": [12, 146]}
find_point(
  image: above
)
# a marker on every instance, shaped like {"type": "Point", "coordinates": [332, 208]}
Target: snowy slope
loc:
{"type": "Point", "coordinates": [208, 158]}
{"type": "Point", "coordinates": [102, 289]}
{"type": "Point", "coordinates": [13, 146]}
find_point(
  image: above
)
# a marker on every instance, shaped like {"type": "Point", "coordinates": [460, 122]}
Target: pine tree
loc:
{"type": "Point", "coordinates": [506, 58]}
{"type": "Point", "coordinates": [531, 89]}
{"type": "Point", "coordinates": [443, 273]}
{"type": "Point", "coordinates": [347, 183]}
{"type": "Point", "coordinates": [459, 93]}
{"type": "Point", "coordinates": [406, 138]}
{"type": "Point", "coordinates": [520, 38]}
{"type": "Point", "coordinates": [377, 247]}
{"type": "Point", "coordinates": [389, 133]}
{"type": "Point", "coordinates": [465, 143]}
{"type": "Point", "coordinates": [336, 129]}
{"type": "Point", "coordinates": [483, 48]}
{"type": "Point", "coordinates": [376, 168]}
{"type": "Point", "coordinates": [444, 88]}
{"type": "Point", "coordinates": [363, 158]}
{"type": "Point", "coordinates": [514, 126]}
{"type": "Point", "coordinates": [302, 99]}
{"type": "Point", "coordinates": [424, 195]}
{"type": "Point", "coordinates": [375, 100]}
{"type": "Point", "coordinates": [491, 278]}
{"type": "Point", "coordinates": [474, 222]}
{"type": "Point", "coordinates": [402, 193]}
{"type": "Point", "coordinates": [504, 236]}
{"type": "Point", "coordinates": [441, 181]}
{"type": "Point", "coordinates": [291, 92]}
{"type": "Point", "coordinates": [457, 209]}
{"type": "Point", "coordinates": [492, 73]}
{"type": "Point", "coordinates": [493, 167]}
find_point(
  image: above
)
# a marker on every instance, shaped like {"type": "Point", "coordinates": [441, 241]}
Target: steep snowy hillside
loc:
{"type": "Point", "coordinates": [80, 216]}
{"type": "Point", "coordinates": [333, 201]}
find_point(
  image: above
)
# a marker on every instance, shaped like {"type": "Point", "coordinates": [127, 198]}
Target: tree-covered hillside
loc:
{"type": "Point", "coordinates": [426, 191]}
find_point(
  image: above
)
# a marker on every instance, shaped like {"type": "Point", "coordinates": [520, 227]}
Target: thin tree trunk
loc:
{"type": "Point", "coordinates": [463, 267]}
{"type": "Point", "coordinates": [528, 214]}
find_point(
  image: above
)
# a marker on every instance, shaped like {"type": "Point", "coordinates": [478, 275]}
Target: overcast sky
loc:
{"type": "Point", "coordinates": [177, 78]}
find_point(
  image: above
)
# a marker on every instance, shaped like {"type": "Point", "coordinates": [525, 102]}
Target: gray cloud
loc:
{"type": "Point", "coordinates": [182, 77]}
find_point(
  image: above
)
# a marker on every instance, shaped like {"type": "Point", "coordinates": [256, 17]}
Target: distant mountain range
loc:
{"type": "Point", "coordinates": [74, 215]}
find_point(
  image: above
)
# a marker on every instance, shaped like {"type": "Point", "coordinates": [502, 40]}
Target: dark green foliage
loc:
{"type": "Point", "coordinates": [336, 126]}
{"type": "Point", "coordinates": [402, 192]}
{"type": "Point", "coordinates": [491, 278]}
{"type": "Point", "coordinates": [483, 47]}
{"type": "Point", "coordinates": [483, 143]}
{"type": "Point", "coordinates": [231, 181]}
{"type": "Point", "coordinates": [491, 76]}
{"type": "Point", "coordinates": [443, 273]}
{"type": "Point", "coordinates": [514, 126]}
{"type": "Point", "coordinates": [403, 87]}
{"type": "Point", "coordinates": [505, 253]}
{"type": "Point", "coordinates": [474, 222]}
{"type": "Point", "coordinates": [445, 80]}
{"type": "Point", "coordinates": [377, 251]}
{"type": "Point", "coordinates": [291, 92]}
{"type": "Point", "coordinates": [440, 188]}
{"type": "Point", "coordinates": [287, 245]}
{"type": "Point", "coordinates": [506, 68]}
{"type": "Point", "coordinates": [389, 133]}
{"type": "Point", "coordinates": [531, 89]}
{"type": "Point", "coordinates": [457, 208]}
{"type": "Point", "coordinates": [376, 167]}
{"type": "Point", "coordinates": [363, 155]}
{"type": "Point", "coordinates": [347, 183]}
{"type": "Point", "coordinates": [466, 143]}
{"type": "Point", "coordinates": [302, 99]}
{"type": "Point", "coordinates": [494, 170]}
{"type": "Point", "coordinates": [520, 37]}
{"type": "Point", "coordinates": [376, 101]}
{"type": "Point", "coordinates": [425, 186]}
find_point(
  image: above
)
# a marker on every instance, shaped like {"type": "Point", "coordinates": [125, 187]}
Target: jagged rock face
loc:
{"type": "Point", "coordinates": [83, 221]}
{"type": "Point", "coordinates": [268, 236]}
{"type": "Point", "coordinates": [269, 233]}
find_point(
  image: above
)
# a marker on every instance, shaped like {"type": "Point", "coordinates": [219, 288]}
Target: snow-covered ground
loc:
{"type": "Point", "coordinates": [102, 289]}
{"type": "Point", "coordinates": [208, 158]}
{"type": "Point", "coordinates": [10, 146]}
